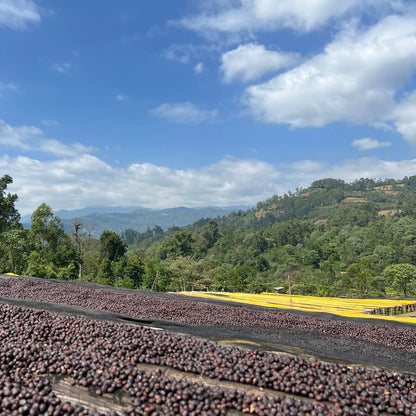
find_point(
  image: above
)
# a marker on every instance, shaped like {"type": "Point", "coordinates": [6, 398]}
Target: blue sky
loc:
{"type": "Point", "coordinates": [165, 103]}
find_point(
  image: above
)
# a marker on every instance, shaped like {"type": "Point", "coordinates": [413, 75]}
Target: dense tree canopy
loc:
{"type": "Point", "coordinates": [333, 238]}
{"type": "Point", "coordinates": [112, 247]}
{"type": "Point", "coordinates": [401, 276]}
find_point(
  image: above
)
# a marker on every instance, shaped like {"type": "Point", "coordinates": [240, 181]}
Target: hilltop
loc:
{"type": "Point", "coordinates": [326, 198]}
{"type": "Point", "coordinates": [332, 238]}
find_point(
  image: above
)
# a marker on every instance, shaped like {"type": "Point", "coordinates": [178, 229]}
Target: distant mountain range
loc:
{"type": "Point", "coordinates": [118, 219]}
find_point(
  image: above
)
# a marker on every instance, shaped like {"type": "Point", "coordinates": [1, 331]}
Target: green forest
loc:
{"type": "Point", "coordinates": [331, 239]}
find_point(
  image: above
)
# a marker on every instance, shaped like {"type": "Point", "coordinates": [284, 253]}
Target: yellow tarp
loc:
{"type": "Point", "coordinates": [353, 308]}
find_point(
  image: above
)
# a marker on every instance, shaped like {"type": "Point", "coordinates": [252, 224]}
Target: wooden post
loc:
{"type": "Point", "coordinates": [290, 289]}
{"type": "Point", "coordinates": [77, 226]}
{"type": "Point", "coordinates": [155, 279]}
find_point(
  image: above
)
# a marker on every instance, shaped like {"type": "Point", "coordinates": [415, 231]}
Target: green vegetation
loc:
{"type": "Point", "coordinates": [333, 238]}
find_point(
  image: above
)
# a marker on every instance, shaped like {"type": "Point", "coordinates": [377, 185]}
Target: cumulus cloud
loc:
{"type": "Point", "coordinates": [88, 181]}
{"type": "Point", "coordinates": [20, 137]}
{"type": "Point", "coordinates": [184, 113]}
{"type": "Point", "coordinates": [59, 183]}
{"type": "Point", "coordinates": [369, 144]}
{"type": "Point", "coordinates": [57, 148]}
{"type": "Point", "coordinates": [69, 183]}
{"type": "Point", "coordinates": [355, 79]}
{"type": "Point", "coordinates": [251, 61]}
{"type": "Point", "coordinates": [303, 173]}
{"type": "Point", "coordinates": [72, 177]}
{"type": "Point", "coordinates": [18, 14]}
{"type": "Point", "coordinates": [404, 118]}
{"type": "Point", "coordinates": [199, 68]}
{"type": "Point", "coordinates": [231, 16]}
{"type": "Point", "coordinates": [31, 138]}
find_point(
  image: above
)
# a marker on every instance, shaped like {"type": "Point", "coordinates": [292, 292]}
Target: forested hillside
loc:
{"type": "Point", "coordinates": [332, 238]}
{"type": "Point", "coordinates": [118, 219]}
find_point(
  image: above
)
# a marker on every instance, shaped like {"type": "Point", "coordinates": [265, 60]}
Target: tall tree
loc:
{"type": "Point", "coordinates": [14, 249]}
{"type": "Point", "coordinates": [209, 235]}
{"type": "Point", "coordinates": [360, 277]}
{"type": "Point", "coordinates": [401, 276]}
{"type": "Point", "coordinates": [111, 246]}
{"type": "Point", "coordinates": [180, 245]}
{"type": "Point", "coordinates": [186, 272]}
{"type": "Point", "coordinates": [156, 275]}
{"type": "Point", "coordinates": [51, 242]}
{"type": "Point", "coordinates": [8, 212]}
{"type": "Point", "coordinates": [134, 269]}
{"type": "Point", "coordinates": [46, 228]}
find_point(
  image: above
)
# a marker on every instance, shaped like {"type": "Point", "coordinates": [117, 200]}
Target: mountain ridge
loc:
{"type": "Point", "coordinates": [118, 219]}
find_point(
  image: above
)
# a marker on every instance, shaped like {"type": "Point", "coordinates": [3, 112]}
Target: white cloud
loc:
{"type": "Point", "coordinates": [31, 138]}
{"type": "Point", "coordinates": [233, 16]}
{"type": "Point", "coordinates": [355, 79]}
{"type": "Point", "coordinates": [382, 125]}
{"type": "Point", "coordinates": [59, 183]}
{"type": "Point", "coordinates": [404, 118]}
{"type": "Point", "coordinates": [369, 144]}
{"type": "Point", "coordinates": [87, 181]}
{"type": "Point", "coordinates": [251, 61]}
{"type": "Point", "coordinates": [120, 97]}
{"type": "Point", "coordinates": [18, 14]}
{"type": "Point", "coordinates": [184, 113]}
{"type": "Point", "coordinates": [69, 183]}
{"type": "Point", "coordinates": [56, 148]}
{"type": "Point", "coordinates": [63, 68]}
{"type": "Point", "coordinates": [20, 137]}
{"type": "Point", "coordinates": [303, 174]}
{"type": "Point", "coordinates": [74, 178]}
{"type": "Point", "coordinates": [199, 68]}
